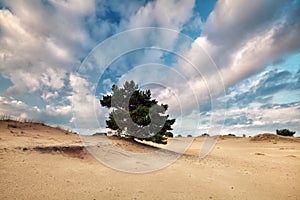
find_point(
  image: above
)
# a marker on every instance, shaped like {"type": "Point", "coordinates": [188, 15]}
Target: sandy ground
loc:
{"type": "Point", "coordinates": [237, 168]}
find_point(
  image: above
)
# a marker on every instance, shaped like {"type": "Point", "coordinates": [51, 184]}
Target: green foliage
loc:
{"type": "Point", "coordinates": [285, 132]}
{"type": "Point", "coordinates": [134, 111]}
{"type": "Point", "coordinates": [169, 134]}
{"type": "Point", "coordinates": [189, 135]}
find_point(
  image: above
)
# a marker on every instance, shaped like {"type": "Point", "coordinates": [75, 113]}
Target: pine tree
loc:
{"type": "Point", "coordinates": [136, 114]}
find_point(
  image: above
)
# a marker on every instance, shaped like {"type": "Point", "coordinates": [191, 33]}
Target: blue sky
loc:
{"type": "Point", "coordinates": [222, 66]}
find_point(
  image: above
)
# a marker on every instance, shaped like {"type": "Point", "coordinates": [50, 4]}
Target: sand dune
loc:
{"type": "Point", "coordinates": [41, 162]}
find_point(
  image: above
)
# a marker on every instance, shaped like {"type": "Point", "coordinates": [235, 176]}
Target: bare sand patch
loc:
{"type": "Point", "coordinates": [41, 162]}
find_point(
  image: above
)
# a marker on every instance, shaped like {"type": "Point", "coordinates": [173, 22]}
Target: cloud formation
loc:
{"type": "Point", "coordinates": [44, 42]}
{"type": "Point", "coordinates": [241, 44]}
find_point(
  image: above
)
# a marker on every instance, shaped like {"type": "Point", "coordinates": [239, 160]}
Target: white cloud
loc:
{"type": "Point", "coordinates": [85, 106]}
{"type": "Point", "coordinates": [240, 43]}
{"type": "Point", "coordinates": [49, 95]}
{"type": "Point", "coordinates": [42, 43]}
{"type": "Point", "coordinates": [58, 110]}
{"type": "Point", "coordinates": [169, 14]}
{"type": "Point", "coordinates": [165, 13]}
{"type": "Point", "coordinates": [28, 59]}
{"type": "Point", "coordinates": [252, 121]}
{"type": "Point", "coordinates": [75, 6]}
{"type": "Point", "coordinates": [19, 110]}
{"type": "Point", "coordinates": [38, 36]}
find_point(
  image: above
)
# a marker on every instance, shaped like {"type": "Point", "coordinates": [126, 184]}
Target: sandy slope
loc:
{"type": "Point", "coordinates": [237, 168]}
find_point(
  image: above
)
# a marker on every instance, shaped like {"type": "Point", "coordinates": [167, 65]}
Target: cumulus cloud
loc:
{"type": "Point", "coordinates": [195, 24]}
{"type": "Point", "coordinates": [263, 102]}
{"type": "Point", "coordinates": [166, 13]}
{"type": "Point", "coordinates": [264, 119]}
{"type": "Point", "coordinates": [240, 43]}
{"type": "Point", "coordinates": [83, 102]}
{"type": "Point", "coordinates": [51, 114]}
{"type": "Point", "coordinates": [35, 51]}
{"type": "Point", "coordinates": [263, 90]}
{"type": "Point", "coordinates": [44, 42]}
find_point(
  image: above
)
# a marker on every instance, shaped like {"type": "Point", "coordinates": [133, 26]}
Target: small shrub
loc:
{"type": "Point", "coordinates": [285, 132]}
{"type": "Point", "coordinates": [189, 136]}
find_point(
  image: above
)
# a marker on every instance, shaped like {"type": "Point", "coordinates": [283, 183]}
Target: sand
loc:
{"type": "Point", "coordinates": [40, 162]}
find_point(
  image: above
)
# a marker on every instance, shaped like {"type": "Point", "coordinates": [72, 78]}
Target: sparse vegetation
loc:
{"type": "Point", "coordinates": [189, 135]}
{"type": "Point", "coordinates": [67, 131]}
{"type": "Point", "coordinates": [16, 123]}
{"type": "Point", "coordinates": [21, 120]}
{"type": "Point", "coordinates": [285, 132]}
{"type": "Point", "coordinates": [5, 117]}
